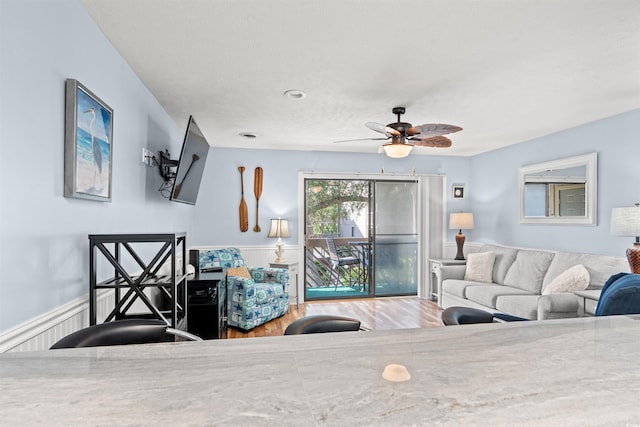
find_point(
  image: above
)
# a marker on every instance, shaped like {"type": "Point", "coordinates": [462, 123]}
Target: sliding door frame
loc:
{"type": "Point", "coordinates": [431, 219]}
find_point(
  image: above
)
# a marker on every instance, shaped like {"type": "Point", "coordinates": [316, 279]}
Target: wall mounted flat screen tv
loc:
{"type": "Point", "coordinates": [193, 158]}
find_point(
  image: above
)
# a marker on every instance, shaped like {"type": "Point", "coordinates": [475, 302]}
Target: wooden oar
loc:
{"type": "Point", "coordinates": [257, 190]}
{"type": "Point", "coordinates": [244, 214]}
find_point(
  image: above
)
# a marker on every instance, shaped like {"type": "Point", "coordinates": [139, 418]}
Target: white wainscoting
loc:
{"type": "Point", "coordinates": [43, 331]}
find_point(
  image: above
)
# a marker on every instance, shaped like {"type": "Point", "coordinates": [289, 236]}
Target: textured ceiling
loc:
{"type": "Point", "coordinates": [505, 71]}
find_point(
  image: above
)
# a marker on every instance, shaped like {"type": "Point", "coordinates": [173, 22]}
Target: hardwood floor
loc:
{"type": "Point", "coordinates": [373, 313]}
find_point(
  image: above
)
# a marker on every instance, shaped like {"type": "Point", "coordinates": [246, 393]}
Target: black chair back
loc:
{"type": "Point", "coordinates": [119, 332]}
{"type": "Point", "coordinates": [321, 324]}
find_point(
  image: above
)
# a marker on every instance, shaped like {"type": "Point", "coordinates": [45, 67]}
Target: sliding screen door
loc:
{"type": "Point", "coordinates": [396, 238]}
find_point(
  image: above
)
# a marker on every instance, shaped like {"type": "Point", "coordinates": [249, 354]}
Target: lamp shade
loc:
{"type": "Point", "coordinates": [461, 221]}
{"type": "Point", "coordinates": [626, 221]}
{"type": "Point", "coordinates": [279, 228]}
{"type": "Point", "coordinates": [397, 151]}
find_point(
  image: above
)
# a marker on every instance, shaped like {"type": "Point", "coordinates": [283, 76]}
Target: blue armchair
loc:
{"type": "Point", "coordinates": [254, 296]}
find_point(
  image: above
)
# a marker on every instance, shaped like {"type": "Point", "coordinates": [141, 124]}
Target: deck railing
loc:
{"type": "Point", "coordinates": [322, 272]}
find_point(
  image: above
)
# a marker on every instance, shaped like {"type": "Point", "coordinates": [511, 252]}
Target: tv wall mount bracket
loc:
{"type": "Point", "coordinates": [165, 164]}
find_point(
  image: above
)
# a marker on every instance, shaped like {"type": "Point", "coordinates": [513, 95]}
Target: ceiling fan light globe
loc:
{"type": "Point", "coordinates": [397, 151]}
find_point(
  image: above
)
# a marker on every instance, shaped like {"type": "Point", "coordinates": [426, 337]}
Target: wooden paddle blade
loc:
{"type": "Point", "coordinates": [436, 141]}
{"type": "Point", "coordinates": [257, 183]}
{"type": "Point", "coordinates": [257, 190]}
{"type": "Point", "coordinates": [244, 216]}
{"type": "Point", "coordinates": [244, 213]}
{"type": "Point", "coordinates": [432, 129]}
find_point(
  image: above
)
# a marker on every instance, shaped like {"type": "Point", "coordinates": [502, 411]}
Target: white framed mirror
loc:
{"type": "Point", "coordinates": [562, 191]}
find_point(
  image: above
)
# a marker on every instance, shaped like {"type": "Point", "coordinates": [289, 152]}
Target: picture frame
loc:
{"type": "Point", "coordinates": [457, 192]}
{"type": "Point", "coordinates": [88, 144]}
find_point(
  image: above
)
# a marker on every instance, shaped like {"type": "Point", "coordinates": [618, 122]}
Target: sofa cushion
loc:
{"type": "Point", "coordinates": [600, 267]}
{"type": "Point", "coordinates": [504, 257]}
{"type": "Point", "coordinates": [488, 294]}
{"type": "Point", "coordinates": [457, 287]}
{"type": "Point", "coordinates": [519, 305]}
{"type": "Point", "coordinates": [528, 270]}
{"type": "Point", "coordinates": [574, 279]}
{"type": "Point", "coordinates": [480, 267]}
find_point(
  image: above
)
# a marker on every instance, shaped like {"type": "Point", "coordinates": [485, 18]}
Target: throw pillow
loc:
{"type": "Point", "coordinates": [480, 267]}
{"type": "Point", "coordinates": [574, 279]}
{"type": "Point", "coordinates": [239, 272]}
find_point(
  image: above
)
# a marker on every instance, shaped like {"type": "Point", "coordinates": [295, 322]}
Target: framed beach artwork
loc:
{"type": "Point", "coordinates": [88, 144]}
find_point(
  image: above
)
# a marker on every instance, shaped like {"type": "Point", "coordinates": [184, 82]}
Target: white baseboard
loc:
{"type": "Point", "coordinates": [43, 331]}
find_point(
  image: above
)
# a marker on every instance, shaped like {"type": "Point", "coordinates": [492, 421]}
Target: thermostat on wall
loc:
{"type": "Point", "coordinates": [458, 191]}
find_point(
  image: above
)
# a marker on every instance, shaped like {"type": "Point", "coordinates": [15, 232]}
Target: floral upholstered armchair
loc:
{"type": "Point", "coordinates": [254, 295]}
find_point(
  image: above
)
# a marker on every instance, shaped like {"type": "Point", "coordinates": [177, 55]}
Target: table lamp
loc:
{"type": "Point", "coordinates": [460, 221]}
{"type": "Point", "coordinates": [279, 228]}
{"type": "Point", "coordinates": [626, 222]}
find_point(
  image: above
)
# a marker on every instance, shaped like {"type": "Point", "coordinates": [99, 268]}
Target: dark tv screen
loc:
{"type": "Point", "coordinates": [191, 165]}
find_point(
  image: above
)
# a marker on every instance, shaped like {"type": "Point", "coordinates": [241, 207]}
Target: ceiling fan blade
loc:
{"type": "Point", "coordinates": [432, 129]}
{"type": "Point", "coordinates": [362, 139]}
{"type": "Point", "coordinates": [379, 127]}
{"type": "Point", "coordinates": [434, 141]}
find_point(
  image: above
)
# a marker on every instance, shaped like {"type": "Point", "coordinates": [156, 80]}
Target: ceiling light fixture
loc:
{"type": "Point", "coordinates": [397, 151]}
{"type": "Point", "coordinates": [294, 94]}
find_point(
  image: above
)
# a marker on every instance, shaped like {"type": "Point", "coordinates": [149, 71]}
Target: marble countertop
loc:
{"type": "Point", "coordinates": [555, 372]}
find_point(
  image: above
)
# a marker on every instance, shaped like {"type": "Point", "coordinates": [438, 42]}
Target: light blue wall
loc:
{"type": "Point", "coordinates": [44, 245]}
{"type": "Point", "coordinates": [495, 202]}
{"type": "Point", "coordinates": [216, 213]}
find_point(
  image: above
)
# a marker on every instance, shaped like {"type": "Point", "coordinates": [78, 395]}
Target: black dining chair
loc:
{"type": "Point", "coordinates": [322, 323]}
{"type": "Point", "coordinates": [122, 332]}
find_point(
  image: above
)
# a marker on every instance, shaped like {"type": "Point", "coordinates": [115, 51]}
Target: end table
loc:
{"type": "Point", "coordinates": [434, 268]}
{"type": "Point", "coordinates": [293, 273]}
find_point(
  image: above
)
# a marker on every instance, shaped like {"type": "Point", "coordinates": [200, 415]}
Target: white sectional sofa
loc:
{"type": "Point", "coordinates": [518, 279]}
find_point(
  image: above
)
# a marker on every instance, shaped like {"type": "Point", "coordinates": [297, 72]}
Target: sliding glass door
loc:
{"type": "Point", "coordinates": [337, 238]}
{"type": "Point", "coordinates": [396, 238]}
{"type": "Point", "coordinates": [361, 238]}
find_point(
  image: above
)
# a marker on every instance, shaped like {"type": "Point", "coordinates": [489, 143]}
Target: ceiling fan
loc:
{"type": "Point", "coordinates": [404, 136]}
